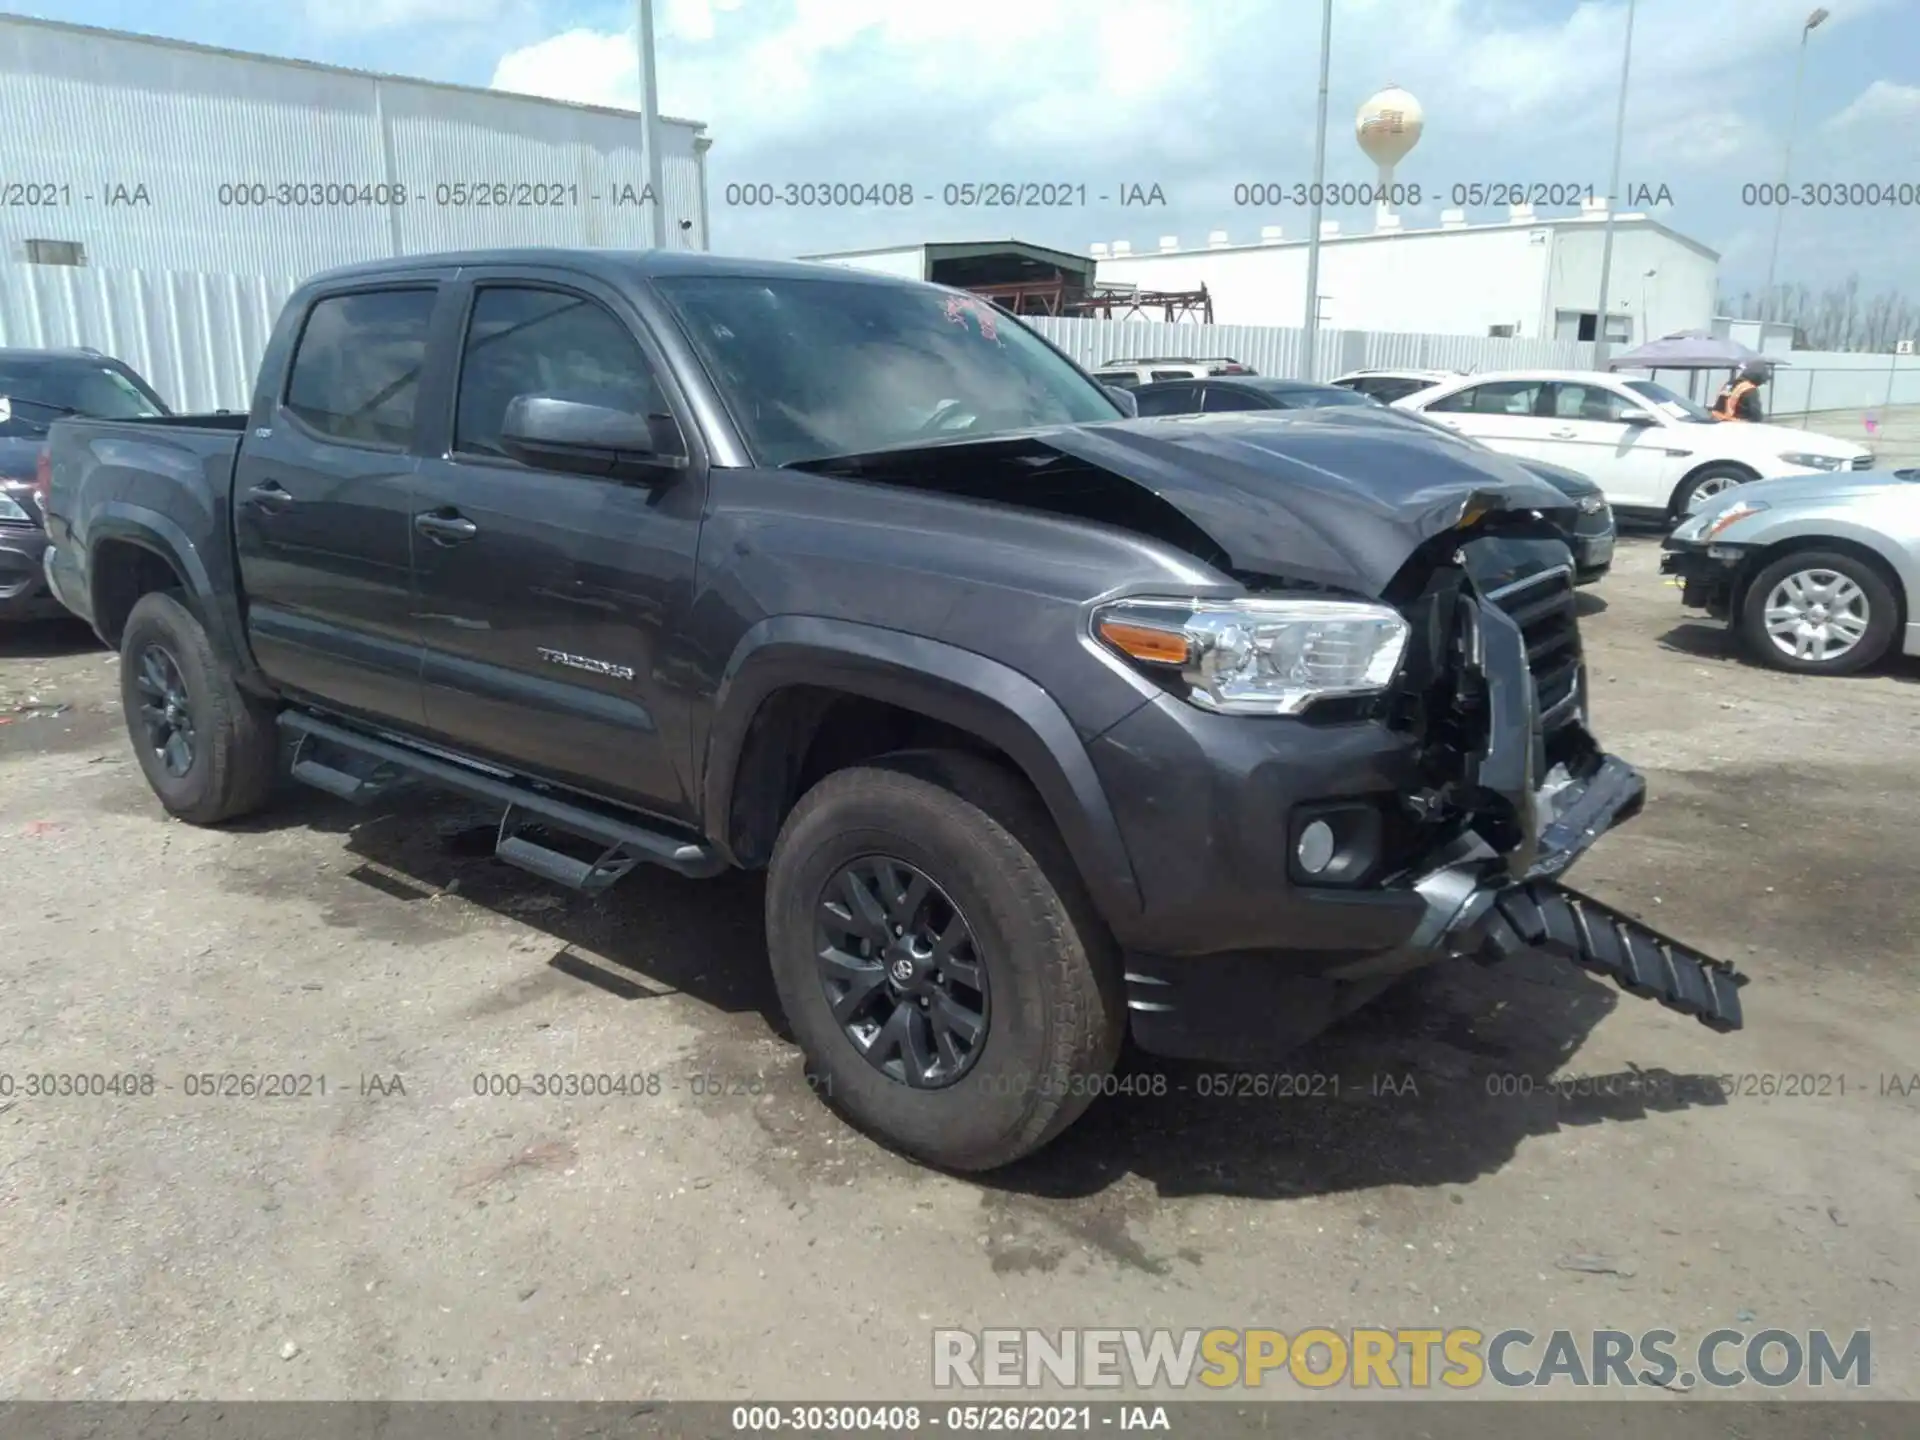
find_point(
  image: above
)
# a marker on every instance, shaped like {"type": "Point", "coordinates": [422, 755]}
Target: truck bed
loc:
{"type": "Point", "coordinates": [163, 476]}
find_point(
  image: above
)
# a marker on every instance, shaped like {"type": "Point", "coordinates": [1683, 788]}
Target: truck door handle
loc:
{"type": "Point", "coordinates": [445, 526]}
{"type": "Point", "coordinates": [1561, 434]}
{"type": "Point", "coordinates": [269, 495]}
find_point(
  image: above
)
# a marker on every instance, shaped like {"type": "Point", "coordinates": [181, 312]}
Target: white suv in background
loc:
{"type": "Point", "coordinates": [1647, 448]}
{"type": "Point", "coordinates": [1130, 373]}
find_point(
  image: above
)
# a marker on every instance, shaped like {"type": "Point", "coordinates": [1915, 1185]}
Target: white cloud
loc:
{"type": "Point", "coordinates": [368, 15]}
{"type": "Point", "coordinates": [1198, 95]}
{"type": "Point", "coordinates": [1884, 107]}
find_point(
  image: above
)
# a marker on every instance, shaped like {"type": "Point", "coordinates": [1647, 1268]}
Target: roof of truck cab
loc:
{"type": "Point", "coordinates": [608, 264]}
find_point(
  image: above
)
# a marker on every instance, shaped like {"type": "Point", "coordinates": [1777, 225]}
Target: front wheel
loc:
{"type": "Point", "coordinates": [953, 993]}
{"type": "Point", "coordinates": [1703, 485]}
{"type": "Point", "coordinates": [1818, 612]}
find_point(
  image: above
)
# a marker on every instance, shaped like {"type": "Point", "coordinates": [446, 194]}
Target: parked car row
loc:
{"type": "Point", "coordinates": [1607, 443]}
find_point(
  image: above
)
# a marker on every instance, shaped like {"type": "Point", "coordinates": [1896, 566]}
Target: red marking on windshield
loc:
{"type": "Point", "coordinates": [961, 306]}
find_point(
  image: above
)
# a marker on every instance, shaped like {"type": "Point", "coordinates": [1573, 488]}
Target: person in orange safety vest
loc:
{"type": "Point", "coordinates": [1740, 397]}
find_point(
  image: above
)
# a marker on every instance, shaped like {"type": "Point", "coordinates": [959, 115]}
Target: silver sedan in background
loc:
{"type": "Point", "coordinates": [1816, 574]}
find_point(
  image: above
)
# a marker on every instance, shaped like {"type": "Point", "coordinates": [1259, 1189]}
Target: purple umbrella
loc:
{"type": "Point", "coordinates": [1688, 350]}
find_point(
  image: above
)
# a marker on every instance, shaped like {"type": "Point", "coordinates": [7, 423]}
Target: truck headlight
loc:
{"type": "Point", "coordinates": [1260, 656]}
{"type": "Point", "coordinates": [12, 510]}
{"type": "Point", "coordinates": [1813, 462]}
{"type": "Point", "coordinates": [1592, 504]}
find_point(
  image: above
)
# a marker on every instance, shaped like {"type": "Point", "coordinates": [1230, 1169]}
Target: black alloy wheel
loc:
{"type": "Point", "coordinates": [166, 714]}
{"type": "Point", "coordinates": [902, 972]}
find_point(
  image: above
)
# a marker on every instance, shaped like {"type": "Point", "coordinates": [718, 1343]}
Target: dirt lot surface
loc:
{"type": "Point", "coordinates": [407, 1235]}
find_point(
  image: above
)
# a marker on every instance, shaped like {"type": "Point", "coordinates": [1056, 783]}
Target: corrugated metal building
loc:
{"type": "Point", "coordinates": [1526, 277]}
{"type": "Point", "coordinates": [129, 153]}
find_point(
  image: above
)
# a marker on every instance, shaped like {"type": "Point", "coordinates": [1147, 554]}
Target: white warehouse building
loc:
{"type": "Point", "coordinates": [122, 152]}
{"type": "Point", "coordinates": [1537, 278]}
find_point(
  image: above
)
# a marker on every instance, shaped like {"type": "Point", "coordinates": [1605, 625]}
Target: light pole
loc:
{"type": "Point", "coordinates": [1786, 161]}
{"type": "Point", "coordinates": [650, 122]}
{"type": "Point", "coordinates": [1646, 327]}
{"type": "Point", "coordinates": [1309, 339]}
{"type": "Point", "coordinates": [1613, 190]}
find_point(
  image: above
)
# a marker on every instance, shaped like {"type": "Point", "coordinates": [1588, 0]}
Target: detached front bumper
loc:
{"type": "Point", "coordinates": [1706, 573]}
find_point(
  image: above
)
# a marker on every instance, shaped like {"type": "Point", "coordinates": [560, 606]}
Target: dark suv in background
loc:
{"type": "Point", "coordinates": [38, 387]}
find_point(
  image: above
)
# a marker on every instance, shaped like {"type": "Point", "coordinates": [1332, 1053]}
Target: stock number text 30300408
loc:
{"type": "Point", "coordinates": [953, 194]}
{"type": "Point", "coordinates": [1463, 193]}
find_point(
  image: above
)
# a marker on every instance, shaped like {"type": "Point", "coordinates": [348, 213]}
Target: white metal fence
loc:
{"type": "Point", "coordinates": [1272, 350]}
{"type": "Point", "coordinates": [199, 338]}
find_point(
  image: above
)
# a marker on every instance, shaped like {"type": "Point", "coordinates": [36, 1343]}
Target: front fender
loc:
{"type": "Point", "coordinates": [1769, 529]}
{"type": "Point", "coordinates": [945, 683]}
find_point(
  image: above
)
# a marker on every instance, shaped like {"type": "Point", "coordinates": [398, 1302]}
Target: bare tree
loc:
{"type": "Point", "coordinates": [1840, 318]}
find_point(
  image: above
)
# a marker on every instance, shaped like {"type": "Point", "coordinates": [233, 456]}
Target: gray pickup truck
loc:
{"type": "Point", "coordinates": [1049, 725]}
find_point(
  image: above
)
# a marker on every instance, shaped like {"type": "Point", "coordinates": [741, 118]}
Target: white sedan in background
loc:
{"type": "Point", "coordinates": [1650, 450]}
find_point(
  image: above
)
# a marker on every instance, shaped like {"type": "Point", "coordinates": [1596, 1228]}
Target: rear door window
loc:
{"type": "Point", "coordinates": [1496, 397]}
{"type": "Point", "coordinates": [356, 371]}
{"type": "Point", "coordinates": [1169, 400]}
{"type": "Point", "coordinates": [1220, 397]}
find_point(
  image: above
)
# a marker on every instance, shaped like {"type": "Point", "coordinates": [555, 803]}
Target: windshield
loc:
{"type": "Point", "coordinates": [815, 369]}
{"type": "Point", "coordinates": [35, 393]}
{"type": "Point", "coordinates": [1675, 407]}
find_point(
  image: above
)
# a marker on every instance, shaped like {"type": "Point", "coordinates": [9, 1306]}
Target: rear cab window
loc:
{"type": "Point", "coordinates": [355, 376]}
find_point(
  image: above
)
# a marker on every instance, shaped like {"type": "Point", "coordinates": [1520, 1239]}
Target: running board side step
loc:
{"type": "Point", "coordinates": [1545, 915]}
{"type": "Point", "coordinates": [359, 767]}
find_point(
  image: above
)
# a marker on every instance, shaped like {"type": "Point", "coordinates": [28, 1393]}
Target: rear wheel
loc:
{"type": "Point", "coordinates": [940, 966]}
{"type": "Point", "coordinates": [207, 748]}
{"type": "Point", "coordinates": [1818, 612]}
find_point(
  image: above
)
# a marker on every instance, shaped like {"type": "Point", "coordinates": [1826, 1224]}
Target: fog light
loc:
{"type": "Point", "coordinates": [1315, 850]}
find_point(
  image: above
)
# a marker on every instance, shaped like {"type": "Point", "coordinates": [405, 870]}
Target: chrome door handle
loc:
{"type": "Point", "coordinates": [269, 495]}
{"type": "Point", "coordinates": [445, 528]}
{"type": "Point", "coordinates": [1560, 434]}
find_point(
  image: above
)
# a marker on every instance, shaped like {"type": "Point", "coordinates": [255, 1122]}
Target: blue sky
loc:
{"type": "Point", "coordinates": [1194, 95]}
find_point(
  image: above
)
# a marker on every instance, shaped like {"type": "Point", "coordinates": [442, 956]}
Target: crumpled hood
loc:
{"type": "Point", "coordinates": [1306, 498]}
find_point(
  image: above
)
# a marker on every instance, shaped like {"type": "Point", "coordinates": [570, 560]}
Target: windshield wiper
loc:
{"type": "Point", "coordinates": [58, 410]}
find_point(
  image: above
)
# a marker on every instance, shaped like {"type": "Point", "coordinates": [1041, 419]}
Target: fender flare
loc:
{"type": "Point", "coordinates": [946, 683]}
{"type": "Point", "coordinates": [120, 520]}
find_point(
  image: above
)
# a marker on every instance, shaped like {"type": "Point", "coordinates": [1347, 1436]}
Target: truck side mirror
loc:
{"type": "Point", "coordinates": [584, 438]}
{"type": "Point", "coordinates": [1124, 398]}
{"type": "Point", "coordinates": [1640, 418]}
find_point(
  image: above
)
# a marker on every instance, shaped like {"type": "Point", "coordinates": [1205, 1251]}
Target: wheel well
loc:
{"type": "Point", "coordinates": [804, 733]}
{"type": "Point", "coordinates": [1687, 480]}
{"type": "Point", "coordinates": [1751, 567]}
{"type": "Point", "coordinates": [123, 571]}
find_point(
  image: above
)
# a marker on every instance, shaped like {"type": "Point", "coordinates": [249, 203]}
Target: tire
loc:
{"type": "Point", "coordinates": [1711, 478]}
{"type": "Point", "coordinates": [1052, 1004]}
{"type": "Point", "coordinates": [1827, 576]}
{"type": "Point", "coordinates": [232, 750]}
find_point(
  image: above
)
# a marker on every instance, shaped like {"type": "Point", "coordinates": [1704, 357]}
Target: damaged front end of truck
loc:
{"type": "Point", "coordinates": [1488, 784]}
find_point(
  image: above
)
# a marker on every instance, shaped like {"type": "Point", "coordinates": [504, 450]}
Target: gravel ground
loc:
{"type": "Point", "coordinates": [404, 1236]}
